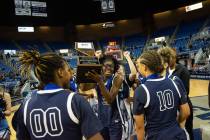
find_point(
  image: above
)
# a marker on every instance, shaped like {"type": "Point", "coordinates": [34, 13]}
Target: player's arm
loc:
{"type": "Point", "coordinates": [132, 67]}
{"type": "Point", "coordinates": [111, 95]}
{"type": "Point", "coordinates": [8, 104]}
{"type": "Point", "coordinates": [139, 123]}
{"type": "Point", "coordinates": [90, 125]}
{"type": "Point", "coordinates": [183, 114]}
{"type": "Point", "coordinates": [96, 137]}
{"type": "Point", "coordinates": [21, 130]}
{"type": "Point", "coordinates": [108, 95]}
{"type": "Point", "coordinates": [184, 109]}
{"type": "Point", "coordinates": [138, 111]}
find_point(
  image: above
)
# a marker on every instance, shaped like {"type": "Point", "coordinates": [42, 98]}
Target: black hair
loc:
{"type": "Point", "coordinates": [44, 65]}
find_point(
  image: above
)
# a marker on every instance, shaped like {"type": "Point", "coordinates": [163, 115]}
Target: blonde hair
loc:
{"type": "Point", "coordinates": [167, 54]}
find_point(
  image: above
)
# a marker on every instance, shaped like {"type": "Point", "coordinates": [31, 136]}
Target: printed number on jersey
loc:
{"type": "Point", "coordinates": [166, 99]}
{"type": "Point", "coordinates": [46, 122]}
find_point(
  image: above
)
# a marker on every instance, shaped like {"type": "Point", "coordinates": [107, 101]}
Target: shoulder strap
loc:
{"type": "Point", "coordinates": [177, 89]}
{"type": "Point", "coordinates": [148, 95]}
{"type": "Point", "coordinates": [25, 111]}
{"type": "Point", "coordinates": [69, 108]}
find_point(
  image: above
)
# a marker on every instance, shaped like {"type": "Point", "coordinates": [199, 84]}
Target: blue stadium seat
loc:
{"type": "Point", "coordinates": [7, 45]}
{"type": "Point", "coordinates": [190, 28]}
{"type": "Point", "coordinates": [59, 45]}
{"type": "Point", "coordinates": [164, 32]}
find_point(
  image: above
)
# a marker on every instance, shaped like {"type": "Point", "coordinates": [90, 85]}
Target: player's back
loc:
{"type": "Point", "coordinates": [48, 116]}
{"type": "Point", "coordinates": [163, 101]}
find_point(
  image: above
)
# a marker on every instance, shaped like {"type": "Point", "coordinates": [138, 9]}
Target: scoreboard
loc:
{"type": "Point", "coordinates": [30, 8]}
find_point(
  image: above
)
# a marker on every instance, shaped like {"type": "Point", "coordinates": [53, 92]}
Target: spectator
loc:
{"type": "Point", "coordinates": [182, 72]}
{"type": "Point", "coordinates": [5, 110]}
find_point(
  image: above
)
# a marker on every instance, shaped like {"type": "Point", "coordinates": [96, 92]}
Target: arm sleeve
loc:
{"type": "Point", "coordinates": [140, 99]}
{"type": "Point", "coordinates": [182, 91]}
{"type": "Point", "coordinates": [90, 124]}
{"type": "Point", "coordinates": [21, 130]}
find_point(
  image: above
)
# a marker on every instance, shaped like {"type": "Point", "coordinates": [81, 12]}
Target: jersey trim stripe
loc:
{"type": "Point", "coordinates": [25, 111]}
{"type": "Point", "coordinates": [187, 134]}
{"type": "Point", "coordinates": [176, 88]}
{"type": "Point", "coordinates": [148, 96]}
{"type": "Point", "coordinates": [69, 108]}
{"type": "Point", "coordinates": [49, 91]}
{"type": "Point", "coordinates": [159, 79]}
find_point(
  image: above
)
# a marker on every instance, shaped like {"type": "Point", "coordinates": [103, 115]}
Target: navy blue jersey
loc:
{"type": "Point", "coordinates": [48, 115]}
{"type": "Point", "coordinates": [180, 85]}
{"type": "Point", "coordinates": [159, 100]}
{"type": "Point", "coordinates": [109, 113]}
{"type": "Point", "coordinates": [104, 109]}
{"type": "Point", "coordinates": [113, 116]}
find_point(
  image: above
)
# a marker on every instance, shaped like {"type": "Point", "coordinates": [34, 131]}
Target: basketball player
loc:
{"type": "Point", "coordinates": [54, 113]}
{"type": "Point", "coordinates": [166, 56]}
{"type": "Point", "coordinates": [183, 74]}
{"type": "Point", "coordinates": [108, 86]}
{"type": "Point", "coordinates": [156, 102]}
{"type": "Point", "coordinates": [5, 110]}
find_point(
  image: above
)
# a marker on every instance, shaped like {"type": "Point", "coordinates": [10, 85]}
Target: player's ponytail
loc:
{"type": "Point", "coordinates": [44, 65]}
{"type": "Point", "coordinates": [28, 60]}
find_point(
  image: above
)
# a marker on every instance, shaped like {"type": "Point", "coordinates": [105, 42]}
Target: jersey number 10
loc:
{"type": "Point", "coordinates": [166, 99]}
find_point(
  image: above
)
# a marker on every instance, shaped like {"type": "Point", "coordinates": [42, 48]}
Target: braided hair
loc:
{"type": "Point", "coordinates": [152, 60]}
{"type": "Point", "coordinates": [44, 65]}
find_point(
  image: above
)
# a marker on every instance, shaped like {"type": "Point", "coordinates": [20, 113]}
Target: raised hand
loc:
{"type": "Point", "coordinates": [126, 54]}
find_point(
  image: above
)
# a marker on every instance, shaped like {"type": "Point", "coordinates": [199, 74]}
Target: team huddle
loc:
{"type": "Point", "coordinates": [159, 109]}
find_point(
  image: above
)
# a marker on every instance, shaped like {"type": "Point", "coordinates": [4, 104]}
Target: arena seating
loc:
{"type": "Point", "coordinates": [164, 32]}
{"type": "Point", "coordinates": [58, 45]}
{"type": "Point", "coordinates": [4, 68]}
{"type": "Point", "coordinates": [7, 45]}
{"type": "Point", "coordinates": [29, 45]}
{"type": "Point", "coordinates": [72, 62]}
{"type": "Point", "coordinates": [181, 44]}
{"type": "Point", "coordinates": [190, 28]}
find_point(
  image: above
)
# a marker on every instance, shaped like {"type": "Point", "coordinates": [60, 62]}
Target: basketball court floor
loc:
{"type": "Point", "coordinates": [199, 98]}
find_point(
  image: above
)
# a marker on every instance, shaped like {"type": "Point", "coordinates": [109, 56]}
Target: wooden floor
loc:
{"type": "Point", "coordinates": [197, 88]}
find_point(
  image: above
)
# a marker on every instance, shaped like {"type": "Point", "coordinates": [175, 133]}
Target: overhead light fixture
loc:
{"type": "Point", "coordinates": [25, 29]}
{"type": "Point", "coordinates": [108, 25]}
{"type": "Point", "coordinates": [160, 39]}
{"type": "Point", "coordinates": [194, 7]}
{"type": "Point", "coordinates": [44, 27]}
